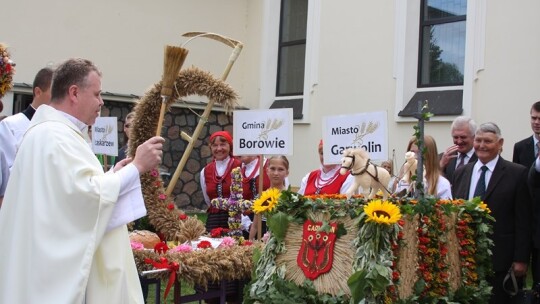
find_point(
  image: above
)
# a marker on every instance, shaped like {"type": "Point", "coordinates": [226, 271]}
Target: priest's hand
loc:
{"type": "Point", "coordinates": [148, 154]}
{"type": "Point", "coordinates": [121, 164]}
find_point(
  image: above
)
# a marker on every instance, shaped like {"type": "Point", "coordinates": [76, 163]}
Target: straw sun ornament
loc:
{"type": "Point", "coordinates": [334, 281]}
{"type": "Point", "coordinates": [147, 111]}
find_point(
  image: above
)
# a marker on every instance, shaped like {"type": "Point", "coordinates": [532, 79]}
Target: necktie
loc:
{"type": "Point", "coordinates": [537, 149]}
{"type": "Point", "coordinates": [461, 160]}
{"type": "Point", "coordinates": [480, 189]}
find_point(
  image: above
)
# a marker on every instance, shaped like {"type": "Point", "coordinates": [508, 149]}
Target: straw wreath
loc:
{"type": "Point", "coordinates": [162, 212]}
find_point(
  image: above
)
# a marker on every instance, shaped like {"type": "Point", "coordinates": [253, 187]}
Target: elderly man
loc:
{"type": "Point", "coordinates": [462, 152]}
{"type": "Point", "coordinates": [63, 221]}
{"type": "Point", "coordinates": [502, 185]}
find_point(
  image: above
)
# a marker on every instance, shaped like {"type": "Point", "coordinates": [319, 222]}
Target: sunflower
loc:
{"type": "Point", "coordinates": [267, 201]}
{"type": "Point", "coordinates": [382, 212]}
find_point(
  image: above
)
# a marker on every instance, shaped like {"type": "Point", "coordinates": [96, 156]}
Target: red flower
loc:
{"type": "Point", "coordinates": [182, 216]}
{"type": "Point", "coordinates": [204, 245]}
{"type": "Point", "coordinates": [395, 275]}
{"type": "Point", "coordinates": [247, 243]}
{"type": "Point", "coordinates": [216, 232]}
{"type": "Point", "coordinates": [161, 247]}
{"type": "Point", "coordinates": [162, 196]}
{"type": "Point", "coordinates": [170, 206]}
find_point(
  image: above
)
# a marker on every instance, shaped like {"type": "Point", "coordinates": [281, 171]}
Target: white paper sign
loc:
{"type": "Point", "coordinates": [361, 130]}
{"type": "Point", "coordinates": [266, 132]}
{"type": "Point", "coordinates": [105, 136]}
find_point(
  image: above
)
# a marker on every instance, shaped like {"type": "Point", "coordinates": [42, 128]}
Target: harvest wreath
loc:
{"type": "Point", "coordinates": [327, 249]}
{"type": "Point", "coordinates": [7, 69]}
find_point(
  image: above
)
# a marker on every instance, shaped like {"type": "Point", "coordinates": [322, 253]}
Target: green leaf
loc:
{"type": "Point", "coordinates": [341, 230]}
{"type": "Point", "coordinates": [357, 284]}
{"type": "Point", "coordinates": [278, 224]}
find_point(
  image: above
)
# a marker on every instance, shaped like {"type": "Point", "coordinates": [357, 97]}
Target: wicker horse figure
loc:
{"type": "Point", "coordinates": [366, 174]}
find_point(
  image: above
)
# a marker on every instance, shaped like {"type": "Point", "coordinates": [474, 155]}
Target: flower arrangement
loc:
{"type": "Point", "coordinates": [7, 70]}
{"type": "Point", "coordinates": [403, 250]}
{"type": "Point", "coordinates": [235, 204]}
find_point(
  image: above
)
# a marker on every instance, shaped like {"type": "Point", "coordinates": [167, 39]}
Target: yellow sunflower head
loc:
{"type": "Point", "coordinates": [382, 212]}
{"type": "Point", "coordinates": [267, 201]}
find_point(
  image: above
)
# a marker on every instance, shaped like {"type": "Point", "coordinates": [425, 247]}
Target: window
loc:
{"type": "Point", "coordinates": [442, 42]}
{"type": "Point", "coordinates": [290, 46]}
{"type": "Point", "coordinates": [439, 51]}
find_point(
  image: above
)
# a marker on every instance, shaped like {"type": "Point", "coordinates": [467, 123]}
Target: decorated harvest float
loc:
{"type": "Point", "coordinates": [321, 249]}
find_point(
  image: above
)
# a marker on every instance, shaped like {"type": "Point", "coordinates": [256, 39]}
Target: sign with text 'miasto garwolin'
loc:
{"type": "Point", "coordinates": [263, 132]}
{"type": "Point", "coordinates": [361, 130]}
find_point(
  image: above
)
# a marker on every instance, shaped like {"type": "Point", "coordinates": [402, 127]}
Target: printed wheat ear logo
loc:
{"type": "Point", "coordinates": [271, 124]}
{"type": "Point", "coordinates": [108, 131]}
{"type": "Point", "coordinates": [364, 130]}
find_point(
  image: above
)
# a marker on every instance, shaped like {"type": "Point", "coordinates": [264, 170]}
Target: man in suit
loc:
{"type": "Point", "coordinates": [502, 185]}
{"type": "Point", "coordinates": [525, 152]}
{"type": "Point", "coordinates": [462, 152]}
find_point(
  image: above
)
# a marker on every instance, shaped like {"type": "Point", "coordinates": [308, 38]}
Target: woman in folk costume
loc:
{"type": "Point", "coordinates": [326, 179]}
{"type": "Point", "coordinates": [216, 182]}
{"type": "Point", "coordinates": [250, 186]}
{"type": "Point", "coordinates": [216, 177]}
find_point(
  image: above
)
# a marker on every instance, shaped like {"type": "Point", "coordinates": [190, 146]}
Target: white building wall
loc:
{"type": "Point", "coordinates": [355, 57]}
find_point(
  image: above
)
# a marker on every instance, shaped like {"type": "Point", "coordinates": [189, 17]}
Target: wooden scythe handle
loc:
{"type": "Point", "coordinates": [204, 117]}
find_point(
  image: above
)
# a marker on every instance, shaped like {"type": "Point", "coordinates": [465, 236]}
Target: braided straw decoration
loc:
{"type": "Point", "coordinates": [206, 265]}
{"type": "Point", "coordinates": [190, 81]}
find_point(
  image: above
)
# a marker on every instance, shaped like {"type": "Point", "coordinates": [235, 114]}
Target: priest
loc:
{"type": "Point", "coordinates": [63, 221]}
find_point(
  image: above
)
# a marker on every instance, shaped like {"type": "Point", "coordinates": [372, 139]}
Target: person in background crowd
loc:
{"type": "Point", "coordinates": [388, 165]}
{"type": "Point", "coordinates": [277, 170]}
{"type": "Point", "coordinates": [13, 127]}
{"type": "Point", "coordinates": [435, 184]}
{"type": "Point", "coordinates": [462, 152]}
{"type": "Point", "coordinates": [525, 153]}
{"type": "Point", "coordinates": [215, 181]}
{"type": "Point", "coordinates": [64, 219]}
{"type": "Point", "coordinates": [502, 185]}
{"type": "Point", "coordinates": [250, 185]}
{"type": "Point", "coordinates": [326, 179]}
{"type": "Point", "coordinates": [122, 152]}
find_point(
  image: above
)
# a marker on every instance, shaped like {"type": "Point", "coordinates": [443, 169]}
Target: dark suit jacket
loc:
{"type": "Point", "coordinates": [508, 197]}
{"type": "Point", "coordinates": [451, 167]}
{"type": "Point", "coordinates": [524, 152]}
{"type": "Point", "coordinates": [534, 186]}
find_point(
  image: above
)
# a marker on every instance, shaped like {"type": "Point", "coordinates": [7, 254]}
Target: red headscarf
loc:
{"type": "Point", "coordinates": [226, 135]}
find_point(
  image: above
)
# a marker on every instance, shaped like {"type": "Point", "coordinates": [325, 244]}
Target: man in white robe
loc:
{"type": "Point", "coordinates": [62, 224]}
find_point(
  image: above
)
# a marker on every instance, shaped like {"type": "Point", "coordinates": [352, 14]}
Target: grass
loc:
{"type": "Point", "coordinates": [186, 288]}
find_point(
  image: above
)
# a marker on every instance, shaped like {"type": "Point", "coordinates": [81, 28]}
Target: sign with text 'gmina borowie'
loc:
{"type": "Point", "coordinates": [105, 136]}
{"type": "Point", "coordinates": [263, 132]}
{"type": "Point", "coordinates": [360, 130]}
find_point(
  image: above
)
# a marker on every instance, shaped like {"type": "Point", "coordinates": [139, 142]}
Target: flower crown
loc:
{"type": "Point", "coordinates": [7, 69]}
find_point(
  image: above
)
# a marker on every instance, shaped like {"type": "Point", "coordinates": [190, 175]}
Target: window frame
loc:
{"type": "Point", "coordinates": [269, 51]}
{"type": "Point", "coordinates": [406, 56]}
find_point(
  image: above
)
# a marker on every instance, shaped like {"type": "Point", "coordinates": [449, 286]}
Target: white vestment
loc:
{"type": "Point", "coordinates": [12, 129]}
{"type": "Point", "coordinates": [53, 223]}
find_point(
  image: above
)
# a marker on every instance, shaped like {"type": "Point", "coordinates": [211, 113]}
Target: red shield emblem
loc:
{"type": "Point", "coordinates": [316, 254]}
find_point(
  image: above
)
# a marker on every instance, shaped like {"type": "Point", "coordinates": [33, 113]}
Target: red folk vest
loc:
{"type": "Point", "coordinates": [248, 185]}
{"type": "Point", "coordinates": [332, 188]}
{"type": "Point", "coordinates": [212, 180]}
